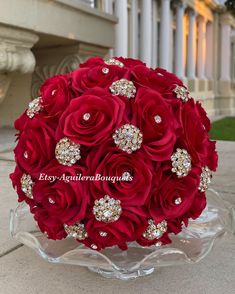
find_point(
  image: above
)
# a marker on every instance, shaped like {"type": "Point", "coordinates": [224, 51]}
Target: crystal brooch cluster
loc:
{"type": "Point", "coordinates": [181, 162]}
{"type": "Point", "coordinates": [113, 61]}
{"type": "Point", "coordinates": [107, 209]}
{"type": "Point", "coordinates": [182, 93]}
{"type": "Point", "coordinates": [155, 231]}
{"type": "Point", "coordinates": [205, 179]}
{"type": "Point", "coordinates": [34, 107]}
{"type": "Point", "coordinates": [26, 185]}
{"type": "Point", "coordinates": [123, 87]}
{"type": "Point", "coordinates": [67, 152]}
{"type": "Point", "coordinates": [128, 138]}
{"type": "Point", "coordinates": [76, 231]}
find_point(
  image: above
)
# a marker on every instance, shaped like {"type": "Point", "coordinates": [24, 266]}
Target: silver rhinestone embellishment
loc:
{"type": "Point", "coordinates": [128, 138]}
{"type": "Point", "coordinates": [181, 162]}
{"type": "Point", "coordinates": [103, 234]}
{"type": "Point", "coordinates": [123, 87]}
{"type": "Point", "coordinates": [34, 107]}
{"type": "Point", "coordinates": [53, 92]}
{"type": "Point", "coordinates": [178, 201]}
{"type": "Point", "coordinates": [205, 179]}
{"type": "Point", "coordinates": [182, 93]}
{"type": "Point", "coordinates": [93, 246]}
{"type": "Point", "coordinates": [67, 152]}
{"type": "Point", "coordinates": [107, 209]}
{"type": "Point", "coordinates": [157, 119]}
{"type": "Point", "coordinates": [126, 176]}
{"type": "Point", "coordinates": [76, 231]}
{"type": "Point", "coordinates": [26, 155]}
{"type": "Point", "coordinates": [26, 185]}
{"type": "Point", "coordinates": [155, 231]}
{"type": "Point", "coordinates": [51, 201]}
{"type": "Point", "coordinates": [105, 70]}
{"type": "Point", "coordinates": [86, 116]}
{"type": "Point", "coordinates": [113, 61]}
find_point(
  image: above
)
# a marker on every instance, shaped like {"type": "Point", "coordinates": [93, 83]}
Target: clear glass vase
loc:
{"type": "Point", "coordinates": [190, 246]}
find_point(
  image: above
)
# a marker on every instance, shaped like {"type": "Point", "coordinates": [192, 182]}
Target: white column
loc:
{"type": "Point", "coordinates": [146, 31]}
{"type": "Point", "coordinates": [121, 46]}
{"type": "Point", "coordinates": [225, 52]}
{"type": "Point", "coordinates": [164, 33]}
{"type": "Point", "coordinates": [134, 29]}
{"type": "Point", "coordinates": [154, 34]}
{"type": "Point", "coordinates": [201, 57]}
{"type": "Point", "coordinates": [108, 6]}
{"type": "Point", "coordinates": [191, 53]}
{"type": "Point", "coordinates": [171, 42]}
{"type": "Point", "coordinates": [209, 50]}
{"type": "Point", "coordinates": [179, 40]}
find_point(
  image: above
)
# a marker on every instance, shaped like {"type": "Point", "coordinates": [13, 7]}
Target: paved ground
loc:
{"type": "Point", "coordinates": [23, 272]}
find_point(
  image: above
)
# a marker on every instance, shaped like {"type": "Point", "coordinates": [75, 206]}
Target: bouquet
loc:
{"type": "Point", "coordinates": [112, 153]}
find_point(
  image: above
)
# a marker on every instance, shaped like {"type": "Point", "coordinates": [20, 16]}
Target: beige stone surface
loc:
{"type": "Point", "coordinates": [23, 271]}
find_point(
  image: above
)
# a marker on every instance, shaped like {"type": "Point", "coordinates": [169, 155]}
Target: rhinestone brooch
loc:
{"type": "Point", "coordinates": [128, 138]}
{"type": "Point", "coordinates": [67, 152]}
{"type": "Point", "coordinates": [205, 179]}
{"type": "Point", "coordinates": [26, 185]}
{"type": "Point", "coordinates": [155, 231]}
{"type": "Point", "coordinates": [123, 87]}
{"type": "Point", "coordinates": [34, 107]}
{"type": "Point", "coordinates": [76, 231]}
{"type": "Point", "coordinates": [182, 93]}
{"type": "Point", "coordinates": [181, 163]}
{"type": "Point", "coordinates": [113, 61]}
{"type": "Point", "coordinates": [107, 209]}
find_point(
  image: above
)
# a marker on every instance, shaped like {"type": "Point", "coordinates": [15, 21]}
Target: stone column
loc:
{"type": "Point", "coordinates": [201, 56]}
{"type": "Point", "coordinates": [134, 29]}
{"type": "Point", "coordinates": [179, 40]}
{"type": "Point", "coordinates": [121, 46]}
{"type": "Point", "coordinates": [154, 34]}
{"type": "Point", "coordinates": [209, 50]}
{"type": "Point", "coordinates": [225, 52]}
{"type": "Point", "coordinates": [108, 6]}
{"type": "Point", "coordinates": [165, 33]}
{"type": "Point", "coordinates": [146, 31]}
{"type": "Point", "coordinates": [191, 53]}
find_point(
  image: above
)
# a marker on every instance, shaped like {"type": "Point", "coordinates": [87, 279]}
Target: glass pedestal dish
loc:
{"type": "Point", "coordinates": [190, 246]}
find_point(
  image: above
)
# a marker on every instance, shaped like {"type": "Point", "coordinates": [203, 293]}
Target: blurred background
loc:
{"type": "Point", "coordinates": [195, 39]}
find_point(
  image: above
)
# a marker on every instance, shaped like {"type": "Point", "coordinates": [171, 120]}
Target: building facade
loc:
{"type": "Point", "coordinates": [195, 39]}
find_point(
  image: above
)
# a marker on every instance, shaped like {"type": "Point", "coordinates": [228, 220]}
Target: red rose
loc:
{"type": "Point", "coordinates": [104, 114]}
{"type": "Point", "coordinates": [86, 78]}
{"type": "Point", "coordinates": [126, 229]}
{"type": "Point", "coordinates": [203, 116]}
{"type": "Point", "coordinates": [52, 227]}
{"type": "Point", "coordinates": [195, 137]}
{"type": "Point", "coordinates": [36, 146]}
{"type": "Point", "coordinates": [168, 189]}
{"type": "Point", "coordinates": [115, 163]}
{"type": "Point", "coordinates": [158, 80]}
{"type": "Point", "coordinates": [61, 198]}
{"type": "Point", "coordinates": [56, 94]}
{"type": "Point", "coordinates": [155, 118]}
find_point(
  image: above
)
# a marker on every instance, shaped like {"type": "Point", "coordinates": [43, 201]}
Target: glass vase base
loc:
{"type": "Point", "coordinates": [122, 275]}
{"type": "Point", "coordinates": [188, 247]}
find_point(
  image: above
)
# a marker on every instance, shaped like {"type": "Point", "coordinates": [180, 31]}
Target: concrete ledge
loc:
{"type": "Point", "coordinates": [62, 18]}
